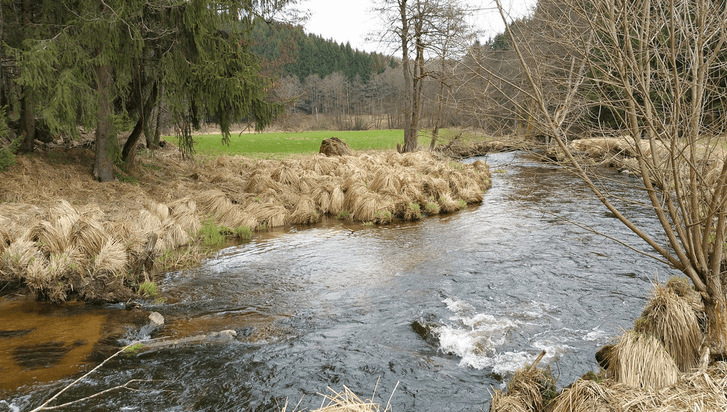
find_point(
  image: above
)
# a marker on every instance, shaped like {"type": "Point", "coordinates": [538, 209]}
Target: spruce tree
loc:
{"type": "Point", "coordinates": [86, 61]}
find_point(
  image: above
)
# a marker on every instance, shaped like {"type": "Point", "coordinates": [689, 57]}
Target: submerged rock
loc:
{"type": "Point", "coordinates": [426, 329]}
{"type": "Point", "coordinates": [156, 321]}
{"type": "Point", "coordinates": [221, 336]}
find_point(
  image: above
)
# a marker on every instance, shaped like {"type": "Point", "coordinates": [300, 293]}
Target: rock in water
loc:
{"type": "Point", "coordinates": [156, 319]}
{"type": "Point", "coordinates": [334, 147]}
{"type": "Point", "coordinates": [222, 336]}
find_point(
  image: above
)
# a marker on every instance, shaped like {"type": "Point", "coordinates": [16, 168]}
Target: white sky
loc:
{"type": "Point", "coordinates": [352, 20]}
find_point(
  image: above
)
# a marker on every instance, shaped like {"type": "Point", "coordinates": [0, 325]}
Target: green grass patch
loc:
{"type": "Point", "coordinates": [432, 208]}
{"type": "Point", "coordinates": [242, 233]}
{"type": "Point", "coordinates": [135, 348]}
{"type": "Point", "coordinates": [210, 234]}
{"type": "Point", "coordinates": [148, 289]}
{"type": "Point", "coordinates": [271, 145]}
{"type": "Point", "coordinates": [215, 236]}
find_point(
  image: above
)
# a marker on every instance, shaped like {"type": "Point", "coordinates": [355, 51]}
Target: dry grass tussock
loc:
{"type": "Point", "coordinates": [62, 233]}
{"type": "Point", "coordinates": [643, 372]}
{"type": "Point", "coordinates": [674, 322]}
{"type": "Point", "coordinates": [530, 390]}
{"type": "Point", "coordinates": [698, 391]}
{"type": "Point", "coordinates": [640, 360]}
{"type": "Point", "coordinates": [347, 401]}
{"type": "Point", "coordinates": [621, 152]}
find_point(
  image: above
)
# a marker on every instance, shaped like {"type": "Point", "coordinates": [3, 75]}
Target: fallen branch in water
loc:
{"type": "Point", "coordinates": [124, 386]}
{"type": "Point", "coordinates": [44, 405]}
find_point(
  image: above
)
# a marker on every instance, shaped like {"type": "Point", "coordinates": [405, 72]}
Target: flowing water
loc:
{"type": "Point", "coordinates": [334, 304]}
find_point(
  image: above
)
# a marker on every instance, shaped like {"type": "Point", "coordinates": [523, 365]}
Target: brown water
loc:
{"type": "Point", "coordinates": [333, 305]}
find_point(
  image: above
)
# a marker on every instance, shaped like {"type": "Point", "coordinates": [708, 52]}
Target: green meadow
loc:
{"type": "Point", "coordinates": [289, 143]}
{"type": "Point", "coordinates": [284, 144]}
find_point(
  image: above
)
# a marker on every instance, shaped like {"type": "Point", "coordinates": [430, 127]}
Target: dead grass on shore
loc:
{"type": "Point", "coordinates": [697, 391]}
{"type": "Point", "coordinates": [527, 392]}
{"type": "Point", "coordinates": [643, 373]}
{"type": "Point", "coordinates": [62, 233]}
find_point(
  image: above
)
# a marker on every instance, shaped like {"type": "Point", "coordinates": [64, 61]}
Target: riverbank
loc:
{"type": "Point", "coordinates": [657, 366]}
{"type": "Point", "coordinates": [65, 236]}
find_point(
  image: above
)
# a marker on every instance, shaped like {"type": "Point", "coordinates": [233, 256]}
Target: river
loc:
{"type": "Point", "coordinates": [333, 305]}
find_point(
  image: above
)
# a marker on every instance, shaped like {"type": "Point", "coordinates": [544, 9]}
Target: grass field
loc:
{"type": "Point", "coordinates": [283, 144]}
{"type": "Point", "coordinates": [288, 143]}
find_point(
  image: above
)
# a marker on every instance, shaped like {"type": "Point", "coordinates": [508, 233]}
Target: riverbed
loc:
{"type": "Point", "coordinates": [333, 304]}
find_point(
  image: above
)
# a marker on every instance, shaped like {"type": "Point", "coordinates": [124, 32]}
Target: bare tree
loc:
{"type": "Point", "coordinates": [448, 42]}
{"type": "Point", "coordinates": [412, 26]}
{"type": "Point", "coordinates": [657, 67]}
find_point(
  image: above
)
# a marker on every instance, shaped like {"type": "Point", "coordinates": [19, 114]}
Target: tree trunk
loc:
{"type": "Point", "coordinates": [716, 309]}
{"type": "Point", "coordinates": [103, 169]}
{"type": "Point", "coordinates": [27, 117]}
{"type": "Point", "coordinates": [27, 125]}
{"type": "Point", "coordinates": [438, 117]}
{"type": "Point", "coordinates": [129, 151]}
{"type": "Point", "coordinates": [412, 139]}
{"type": "Point", "coordinates": [408, 82]}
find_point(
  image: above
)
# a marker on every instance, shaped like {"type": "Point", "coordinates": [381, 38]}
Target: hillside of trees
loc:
{"type": "Point", "coordinates": [286, 49]}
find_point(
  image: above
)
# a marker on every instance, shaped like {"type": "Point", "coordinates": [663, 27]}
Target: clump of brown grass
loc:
{"type": "Point", "coordinates": [260, 181]}
{"type": "Point", "coordinates": [447, 204]}
{"type": "Point", "coordinates": [37, 275]}
{"type": "Point", "coordinates": [111, 259]}
{"type": "Point", "coordinates": [16, 259]}
{"type": "Point", "coordinates": [305, 212]}
{"type": "Point", "coordinates": [347, 401]}
{"type": "Point", "coordinates": [585, 395]}
{"type": "Point", "coordinates": [103, 229]}
{"type": "Point", "coordinates": [184, 213]}
{"type": "Point", "coordinates": [286, 174]}
{"type": "Point", "coordinates": [641, 361]}
{"type": "Point", "coordinates": [698, 391]}
{"type": "Point", "coordinates": [385, 182]}
{"type": "Point", "coordinates": [525, 392]}
{"type": "Point", "coordinates": [337, 201]}
{"type": "Point", "coordinates": [269, 214]}
{"type": "Point", "coordinates": [672, 320]}
{"type": "Point", "coordinates": [88, 236]}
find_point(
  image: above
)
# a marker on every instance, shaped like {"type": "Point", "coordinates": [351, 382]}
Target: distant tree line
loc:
{"type": "Point", "coordinates": [287, 50]}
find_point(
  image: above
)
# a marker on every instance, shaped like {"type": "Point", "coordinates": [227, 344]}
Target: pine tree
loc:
{"type": "Point", "coordinates": [86, 58]}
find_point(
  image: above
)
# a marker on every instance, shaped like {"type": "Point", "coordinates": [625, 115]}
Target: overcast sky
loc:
{"type": "Point", "coordinates": [352, 20]}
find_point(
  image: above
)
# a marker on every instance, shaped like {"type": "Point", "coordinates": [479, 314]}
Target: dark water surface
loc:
{"type": "Point", "coordinates": [333, 305]}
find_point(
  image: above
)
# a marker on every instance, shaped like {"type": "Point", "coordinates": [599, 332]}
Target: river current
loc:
{"type": "Point", "coordinates": [333, 305]}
